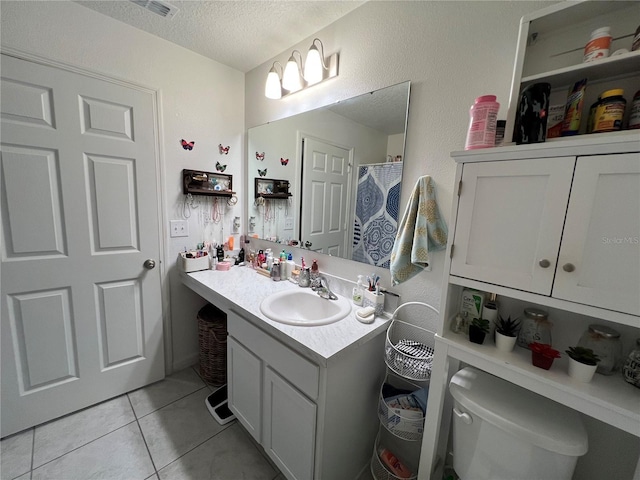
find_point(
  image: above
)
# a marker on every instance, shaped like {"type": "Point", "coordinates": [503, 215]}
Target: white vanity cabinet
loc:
{"type": "Point", "coordinates": [514, 228]}
{"type": "Point", "coordinates": [312, 419]}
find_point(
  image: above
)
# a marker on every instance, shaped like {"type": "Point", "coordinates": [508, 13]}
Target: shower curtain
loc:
{"type": "Point", "coordinates": [376, 218]}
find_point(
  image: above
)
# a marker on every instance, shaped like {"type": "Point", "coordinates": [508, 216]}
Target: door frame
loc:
{"type": "Point", "coordinates": [156, 95]}
{"type": "Point", "coordinates": [301, 135]}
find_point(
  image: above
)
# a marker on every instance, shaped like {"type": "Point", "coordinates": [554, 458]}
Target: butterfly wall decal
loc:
{"type": "Point", "coordinates": [262, 173]}
{"type": "Point", "coordinates": [187, 145]}
{"type": "Point", "coordinates": [284, 161]}
{"type": "Point", "coordinates": [223, 150]}
{"type": "Point", "coordinates": [220, 167]}
{"type": "Point", "coordinates": [260, 156]}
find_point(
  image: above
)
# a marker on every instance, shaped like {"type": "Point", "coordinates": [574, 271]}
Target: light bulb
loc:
{"type": "Point", "coordinates": [291, 78]}
{"type": "Point", "coordinates": [272, 88]}
{"type": "Point", "coordinates": [313, 70]}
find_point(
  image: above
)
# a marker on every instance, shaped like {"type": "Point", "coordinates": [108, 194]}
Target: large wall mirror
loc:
{"type": "Point", "coordinates": [330, 178]}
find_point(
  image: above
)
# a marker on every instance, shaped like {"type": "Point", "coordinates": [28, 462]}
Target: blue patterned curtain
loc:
{"type": "Point", "coordinates": [376, 219]}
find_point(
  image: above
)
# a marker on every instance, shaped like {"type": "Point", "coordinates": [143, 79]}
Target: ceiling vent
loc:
{"type": "Point", "coordinates": [163, 9]}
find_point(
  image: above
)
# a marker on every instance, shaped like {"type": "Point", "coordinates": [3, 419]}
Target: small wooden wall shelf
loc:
{"type": "Point", "coordinates": [197, 182]}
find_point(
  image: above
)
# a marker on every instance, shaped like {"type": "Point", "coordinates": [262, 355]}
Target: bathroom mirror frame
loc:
{"type": "Point", "coordinates": [369, 133]}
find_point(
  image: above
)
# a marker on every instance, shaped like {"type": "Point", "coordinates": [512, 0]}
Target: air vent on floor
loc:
{"type": "Point", "coordinates": [163, 9]}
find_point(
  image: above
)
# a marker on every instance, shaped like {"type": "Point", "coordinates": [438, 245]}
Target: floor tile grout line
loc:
{"type": "Point", "coordinates": [153, 464]}
{"type": "Point", "coordinates": [225, 427]}
{"type": "Point", "coordinates": [83, 445]}
{"type": "Point", "coordinates": [33, 451]}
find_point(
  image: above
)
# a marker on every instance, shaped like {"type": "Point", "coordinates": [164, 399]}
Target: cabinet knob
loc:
{"type": "Point", "coordinates": [544, 263]}
{"type": "Point", "coordinates": [568, 267]}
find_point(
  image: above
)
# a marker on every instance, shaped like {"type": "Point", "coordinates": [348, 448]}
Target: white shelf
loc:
{"type": "Point", "coordinates": [608, 68]}
{"type": "Point", "coordinates": [607, 398]}
{"type": "Point", "coordinates": [595, 312]}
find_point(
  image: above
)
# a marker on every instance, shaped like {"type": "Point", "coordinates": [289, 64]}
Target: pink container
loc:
{"type": "Point", "coordinates": [224, 266]}
{"type": "Point", "coordinates": [482, 127]}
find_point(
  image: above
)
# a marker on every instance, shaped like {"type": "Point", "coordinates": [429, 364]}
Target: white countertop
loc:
{"type": "Point", "coordinates": [242, 290]}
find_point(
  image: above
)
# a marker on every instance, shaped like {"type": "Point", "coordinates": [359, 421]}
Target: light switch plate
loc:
{"type": "Point", "coordinates": [179, 228]}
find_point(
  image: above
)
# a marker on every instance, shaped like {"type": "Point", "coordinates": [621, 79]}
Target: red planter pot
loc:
{"type": "Point", "coordinates": [541, 361]}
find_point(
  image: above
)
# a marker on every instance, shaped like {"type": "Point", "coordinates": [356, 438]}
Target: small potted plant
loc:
{"type": "Point", "coordinates": [506, 333]}
{"type": "Point", "coordinates": [583, 363]}
{"type": "Point", "coordinates": [478, 329]}
{"type": "Point", "coordinates": [542, 355]}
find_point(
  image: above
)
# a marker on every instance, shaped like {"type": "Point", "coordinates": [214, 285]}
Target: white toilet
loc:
{"type": "Point", "coordinates": [504, 432]}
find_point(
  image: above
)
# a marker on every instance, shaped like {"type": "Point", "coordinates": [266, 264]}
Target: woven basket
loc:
{"type": "Point", "coordinates": [212, 336]}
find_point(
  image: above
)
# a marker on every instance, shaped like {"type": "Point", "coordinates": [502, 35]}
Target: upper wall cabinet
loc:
{"type": "Point", "coordinates": [551, 46]}
{"type": "Point", "coordinates": [510, 222]}
{"type": "Point", "coordinates": [599, 262]}
{"type": "Point", "coordinates": [510, 228]}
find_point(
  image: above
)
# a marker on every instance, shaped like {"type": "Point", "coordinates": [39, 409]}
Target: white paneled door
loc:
{"type": "Point", "coordinates": [81, 312]}
{"type": "Point", "coordinates": [326, 176]}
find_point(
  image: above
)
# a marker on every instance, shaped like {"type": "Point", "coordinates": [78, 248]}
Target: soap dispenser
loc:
{"type": "Point", "coordinates": [358, 291]}
{"type": "Point", "coordinates": [315, 271]}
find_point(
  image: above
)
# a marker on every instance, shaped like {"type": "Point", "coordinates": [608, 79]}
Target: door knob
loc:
{"type": "Point", "coordinates": [568, 267]}
{"type": "Point", "coordinates": [149, 263]}
{"type": "Point", "coordinates": [544, 263]}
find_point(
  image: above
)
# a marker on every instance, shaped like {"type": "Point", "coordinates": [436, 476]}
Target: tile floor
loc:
{"type": "Point", "coordinates": [159, 432]}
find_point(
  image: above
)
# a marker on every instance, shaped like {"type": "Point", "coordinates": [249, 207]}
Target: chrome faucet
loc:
{"type": "Point", "coordinates": [323, 289]}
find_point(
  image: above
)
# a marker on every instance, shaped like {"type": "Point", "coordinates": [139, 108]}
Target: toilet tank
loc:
{"type": "Point", "coordinates": [504, 432]}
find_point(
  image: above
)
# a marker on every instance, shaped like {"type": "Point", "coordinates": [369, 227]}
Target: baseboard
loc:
{"type": "Point", "coordinates": [186, 362]}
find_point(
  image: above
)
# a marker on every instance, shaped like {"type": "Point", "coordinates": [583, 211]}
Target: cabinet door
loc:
{"type": "Point", "coordinates": [289, 427]}
{"type": "Point", "coordinates": [244, 371]}
{"type": "Point", "coordinates": [510, 218]}
{"type": "Point", "coordinates": [599, 261]}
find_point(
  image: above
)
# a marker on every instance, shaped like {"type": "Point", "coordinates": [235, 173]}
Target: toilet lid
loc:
{"type": "Point", "coordinates": [527, 415]}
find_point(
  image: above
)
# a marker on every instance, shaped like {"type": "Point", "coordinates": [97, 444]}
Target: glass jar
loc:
{"type": "Point", "coordinates": [605, 342]}
{"type": "Point", "coordinates": [535, 327]}
{"type": "Point", "coordinates": [631, 368]}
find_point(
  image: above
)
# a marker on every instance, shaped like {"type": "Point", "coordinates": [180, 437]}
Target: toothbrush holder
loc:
{"type": "Point", "coordinates": [375, 300]}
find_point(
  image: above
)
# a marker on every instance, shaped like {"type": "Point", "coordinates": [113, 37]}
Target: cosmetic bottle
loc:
{"type": "Point", "coordinates": [315, 272]}
{"type": "Point", "coordinates": [291, 265]}
{"type": "Point", "coordinates": [305, 278]}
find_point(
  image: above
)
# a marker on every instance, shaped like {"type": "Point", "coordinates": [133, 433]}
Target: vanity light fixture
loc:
{"type": "Point", "coordinates": [292, 77]}
{"type": "Point", "coordinates": [316, 70]}
{"type": "Point", "coordinates": [273, 87]}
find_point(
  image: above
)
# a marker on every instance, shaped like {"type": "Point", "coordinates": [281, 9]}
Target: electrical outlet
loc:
{"type": "Point", "coordinates": [179, 228]}
{"type": "Point", "coordinates": [288, 223]}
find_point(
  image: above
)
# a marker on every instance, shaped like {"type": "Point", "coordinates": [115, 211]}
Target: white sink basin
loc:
{"type": "Point", "coordinates": [304, 307]}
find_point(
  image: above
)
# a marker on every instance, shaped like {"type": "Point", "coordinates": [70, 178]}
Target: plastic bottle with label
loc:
{"type": "Point", "coordinates": [483, 123]}
{"type": "Point", "coordinates": [598, 45]}
{"type": "Point", "coordinates": [610, 111]}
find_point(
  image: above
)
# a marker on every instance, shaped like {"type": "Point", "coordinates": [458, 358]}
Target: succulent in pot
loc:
{"type": "Point", "coordinates": [582, 364]}
{"type": "Point", "coordinates": [542, 355]}
{"type": "Point", "coordinates": [508, 327]}
{"type": "Point", "coordinates": [478, 329]}
{"type": "Point", "coordinates": [506, 333]}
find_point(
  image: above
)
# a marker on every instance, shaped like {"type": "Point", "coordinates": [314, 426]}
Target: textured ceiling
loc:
{"type": "Point", "coordinates": [242, 33]}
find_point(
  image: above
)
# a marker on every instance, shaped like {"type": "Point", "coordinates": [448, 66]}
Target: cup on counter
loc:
{"type": "Point", "coordinates": [375, 300]}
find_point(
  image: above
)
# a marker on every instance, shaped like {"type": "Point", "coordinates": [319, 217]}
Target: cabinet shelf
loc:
{"type": "Point", "coordinates": [599, 313]}
{"type": "Point", "coordinates": [607, 398]}
{"type": "Point", "coordinates": [605, 69]}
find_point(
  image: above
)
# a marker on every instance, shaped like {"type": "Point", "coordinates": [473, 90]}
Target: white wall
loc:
{"type": "Point", "coordinates": [451, 52]}
{"type": "Point", "coordinates": [202, 101]}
